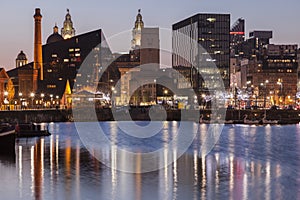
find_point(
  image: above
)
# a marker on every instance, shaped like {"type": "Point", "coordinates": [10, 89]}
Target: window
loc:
{"type": "Point", "coordinates": [51, 86]}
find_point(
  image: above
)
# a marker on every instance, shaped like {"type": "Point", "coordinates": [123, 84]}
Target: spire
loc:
{"type": "Point", "coordinates": [55, 28]}
{"type": "Point", "coordinates": [68, 30]}
{"type": "Point", "coordinates": [139, 24]}
{"type": "Point", "coordinates": [136, 32]}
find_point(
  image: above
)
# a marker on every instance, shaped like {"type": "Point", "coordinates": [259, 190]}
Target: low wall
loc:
{"type": "Point", "coordinates": [137, 113]}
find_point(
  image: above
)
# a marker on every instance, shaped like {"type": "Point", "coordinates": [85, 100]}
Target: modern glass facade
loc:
{"type": "Point", "coordinates": [200, 42]}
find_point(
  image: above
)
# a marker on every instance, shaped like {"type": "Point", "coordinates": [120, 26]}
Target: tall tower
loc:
{"type": "Point", "coordinates": [137, 31]}
{"type": "Point", "coordinates": [68, 30]}
{"type": "Point", "coordinates": [38, 57]}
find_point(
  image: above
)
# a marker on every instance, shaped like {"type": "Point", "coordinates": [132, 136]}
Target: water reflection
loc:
{"type": "Point", "coordinates": [248, 162]}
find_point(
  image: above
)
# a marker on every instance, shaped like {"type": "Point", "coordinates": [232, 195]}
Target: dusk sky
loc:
{"type": "Point", "coordinates": [113, 17]}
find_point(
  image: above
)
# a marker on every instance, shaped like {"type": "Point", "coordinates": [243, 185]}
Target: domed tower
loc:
{"type": "Point", "coordinates": [55, 36]}
{"type": "Point", "coordinates": [68, 30]}
{"type": "Point", "coordinates": [21, 59]}
{"type": "Point", "coordinates": [137, 31]}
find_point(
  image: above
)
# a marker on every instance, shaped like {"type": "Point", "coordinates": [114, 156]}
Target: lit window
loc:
{"type": "Point", "coordinates": [66, 60]}
{"type": "Point", "coordinates": [49, 70]}
{"type": "Point", "coordinates": [77, 49]}
{"type": "Point", "coordinates": [54, 55]}
{"type": "Point", "coordinates": [51, 86]}
{"type": "Point", "coordinates": [211, 19]}
{"type": "Point", "coordinates": [77, 54]}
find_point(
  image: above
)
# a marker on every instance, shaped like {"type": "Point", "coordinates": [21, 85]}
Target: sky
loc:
{"type": "Point", "coordinates": [117, 16]}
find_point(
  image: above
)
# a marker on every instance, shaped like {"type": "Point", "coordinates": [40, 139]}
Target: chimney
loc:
{"type": "Point", "coordinates": [38, 59]}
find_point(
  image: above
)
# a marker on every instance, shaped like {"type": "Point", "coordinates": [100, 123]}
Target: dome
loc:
{"type": "Point", "coordinates": [55, 37]}
{"type": "Point", "coordinates": [21, 56]}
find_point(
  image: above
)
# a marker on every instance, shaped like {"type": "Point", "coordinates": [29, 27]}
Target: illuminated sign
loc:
{"type": "Point", "coordinates": [237, 33]}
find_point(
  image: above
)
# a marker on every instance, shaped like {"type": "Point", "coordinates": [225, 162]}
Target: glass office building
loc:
{"type": "Point", "coordinates": [201, 42]}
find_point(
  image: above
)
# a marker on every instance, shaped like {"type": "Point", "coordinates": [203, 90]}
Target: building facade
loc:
{"type": "Point", "coordinates": [200, 42]}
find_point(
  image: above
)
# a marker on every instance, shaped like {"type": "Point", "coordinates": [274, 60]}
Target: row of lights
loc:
{"type": "Point", "coordinates": [32, 95]}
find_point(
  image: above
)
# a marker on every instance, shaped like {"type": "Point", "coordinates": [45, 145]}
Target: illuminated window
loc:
{"type": "Point", "coordinates": [71, 50]}
{"type": "Point", "coordinates": [211, 19]}
{"type": "Point", "coordinates": [77, 54]}
{"type": "Point", "coordinates": [66, 60]}
{"type": "Point", "coordinates": [60, 79]}
{"type": "Point", "coordinates": [49, 70]}
{"type": "Point", "coordinates": [54, 55]}
{"type": "Point", "coordinates": [51, 86]}
{"type": "Point", "coordinates": [77, 49]}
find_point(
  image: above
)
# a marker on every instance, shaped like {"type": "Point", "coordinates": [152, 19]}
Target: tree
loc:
{"type": "Point", "coordinates": [10, 90]}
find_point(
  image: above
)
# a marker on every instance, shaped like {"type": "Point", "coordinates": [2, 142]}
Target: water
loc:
{"type": "Point", "coordinates": [248, 162]}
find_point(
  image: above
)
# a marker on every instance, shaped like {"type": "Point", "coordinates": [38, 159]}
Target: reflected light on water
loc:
{"type": "Point", "coordinates": [246, 164]}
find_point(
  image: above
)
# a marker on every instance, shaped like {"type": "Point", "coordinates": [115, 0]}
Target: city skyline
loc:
{"type": "Point", "coordinates": [18, 32]}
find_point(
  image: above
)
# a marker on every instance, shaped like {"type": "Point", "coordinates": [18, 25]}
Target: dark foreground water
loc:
{"type": "Point", "coordinates": [248, 162]}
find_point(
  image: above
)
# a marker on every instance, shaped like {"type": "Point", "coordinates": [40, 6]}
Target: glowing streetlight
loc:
{"type": "Point", "coordinates": [32, 97]}
{"type": "Point", "coordinates": [42, 95]}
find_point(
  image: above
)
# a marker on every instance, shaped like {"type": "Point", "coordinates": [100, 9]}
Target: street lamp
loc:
{"type": "Point", "coordinates": [5, 100]}
{"type": "Point", "coordinates": [51, 99]}
{"type": "Point", "coordinates": [20, 97]}
{"type": "Point", "coordinates": [280, 83]}
{"type": "Point", "coordinates": [165, 95]}
{"type": "Point", "coordinates": [42, 96]}
{"type": "Point", "coordinates": [57, 101]}
{"type": "Point", "coordinates": [32, 97]}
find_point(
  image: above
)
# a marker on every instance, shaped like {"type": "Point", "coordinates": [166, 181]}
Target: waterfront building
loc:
{"type": "Point", "coordinates": [3, 86]}
{"type": "Point", "coordinates": [144, 58]}
{"type": "Point", "coordinates": [56, 65]}
{"type": "Point", "coordinates": [212, 33]}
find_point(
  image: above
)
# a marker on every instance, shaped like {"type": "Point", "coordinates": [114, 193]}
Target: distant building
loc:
{"type": "Point", "coordinates": [237, 35]}
{"type": "Point", "coordinates": [253, 46]}
{"type": "Point", "coordinates": [210, 31]}
{"type": "Point", "coordinates": [275, 75]}
{"type": "Point", "coordinates": [21, 59]}
{"type": "Point", "coordinates": [143, 58]}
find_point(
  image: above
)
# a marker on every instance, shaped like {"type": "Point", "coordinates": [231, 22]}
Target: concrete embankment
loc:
{"type": "Point", "coordinates": [138, 113]}
{"type": "Point", "coordinates": [51, 115]}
